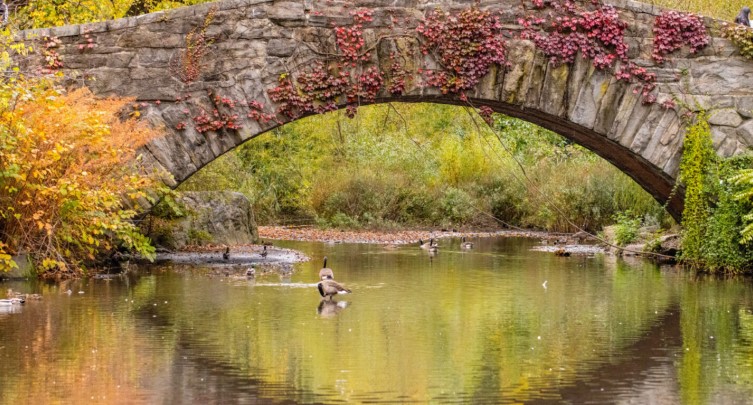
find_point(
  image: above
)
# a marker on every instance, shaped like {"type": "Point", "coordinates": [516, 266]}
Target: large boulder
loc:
{"type": "Point", "coordinates": [207, 217]}
{"type": "Point", "coordinates": [24, 269]}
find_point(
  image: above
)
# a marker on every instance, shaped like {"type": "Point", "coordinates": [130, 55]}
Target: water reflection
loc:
{"type": "Point", "coordinates": [10, 308]}
{"type": "Point", "coordinates": [330, 309]}
{"type": "Point", "coordinates": [474, 326]}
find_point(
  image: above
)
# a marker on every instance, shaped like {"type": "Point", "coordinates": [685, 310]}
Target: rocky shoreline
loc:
{"type": "Point", "coordinates": [403, 237]}
{"type": "Point", "coordinates": [245, 255]}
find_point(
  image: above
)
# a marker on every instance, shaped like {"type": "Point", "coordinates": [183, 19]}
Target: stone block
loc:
{"type": "Point", "coordinates": [647, 128]}
{"type": "Point", "coordinates": [119, 60]}
{"type": "Point", "coordinates": [281, 47]}
{"type": "Point", "coordinates": [142, 38]}
{"type": "Point", "coordinates": [536, 80]}
{"type": "Point", "coordinates": [589, 100]}
{"type": "Point", "coordinates": [151, 58]}
{"type": "Point", "coordinates": [579, 71]}
{"type": "Point", "coordinates": [745, 133]}
{"type": "Point", "coordinates": [515, 85]}
{"type": "Point", "coordinates": [720, 134]}
{"type": "Point", "coordinates": [217, 217]}
{"type": "Point", "coordinates": [65, 31]}
{"type": "Point", "coordinates": [609, 106]}
{"type": "Point", "coordinates": [552, 99]}
{"type": "Point", "coordinates": [657, 150]}
{"type": "Point", "coordinates": [286, 13]}
{"type": "Point", "coordinates": [727, 117]}
{"type": "Point", "coordinates": [744, 106]}
{"type": "Point", "coordinates": [624, 112]}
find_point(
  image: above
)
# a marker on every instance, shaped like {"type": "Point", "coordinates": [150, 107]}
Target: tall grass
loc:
{"type": "Point", "coordinates": [722, 9]}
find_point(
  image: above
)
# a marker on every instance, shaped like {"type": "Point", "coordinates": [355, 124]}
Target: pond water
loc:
{"type": "Point", "coordinates": [497, 324]}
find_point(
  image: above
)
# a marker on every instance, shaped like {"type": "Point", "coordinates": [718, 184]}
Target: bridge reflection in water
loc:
{"type": "Point", "coordinates": [474, 327]}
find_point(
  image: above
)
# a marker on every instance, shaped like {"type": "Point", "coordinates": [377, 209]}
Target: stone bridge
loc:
{"type": "Point", "coordinates": [244, 47]}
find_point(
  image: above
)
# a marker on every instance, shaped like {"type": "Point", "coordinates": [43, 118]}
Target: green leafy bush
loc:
{"type": "Point", "coordinates": [455, 207]}
{"type": "Point", "coordinates": [741, 36]}
{"type": "Point", "coordinates": [716, 202]}
{"type": "Point", "coordinates": [626, 228]}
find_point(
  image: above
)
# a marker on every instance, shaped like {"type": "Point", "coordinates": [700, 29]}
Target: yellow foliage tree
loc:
{"type": "Point", "coordinates": [68, 166]}
{"type": "Point", "coordinates": [50, 13]}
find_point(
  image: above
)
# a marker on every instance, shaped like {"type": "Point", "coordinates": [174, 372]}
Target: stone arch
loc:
{"type": "Point", "coordinates": [255, 41]}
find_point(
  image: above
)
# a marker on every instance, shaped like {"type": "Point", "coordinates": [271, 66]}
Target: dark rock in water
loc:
{"type": "Point", "coordinates": [216, 217]}
{"type": "Point", "coordinates": [670, 245]}
{"type": "Point", "coordinates": [24, 269]}
{"type": "Point", "coordinates": [562, 252]}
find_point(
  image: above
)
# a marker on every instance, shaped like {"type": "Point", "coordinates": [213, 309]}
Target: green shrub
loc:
{"type": "Point", "coordinates": [341, 220]}
{"type": "Point", "coordinates": [169, 208]}
{"type": "Point", "coordinates": [455, 207]}
{"type": "Point", "coordinates": [626, 228]}
{"type": "Point", "coordinates": [698, 160]}
{"type": "Point", "coordinates": [741, 36]}
{"type": "Point", "coordinates": [198, 237]}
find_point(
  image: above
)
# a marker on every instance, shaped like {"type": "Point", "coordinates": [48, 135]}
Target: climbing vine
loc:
{"type": "Point", "coordinates": [187, 67]}
{"type": "Point", "coordinates": [675, 29]}
{"type": "Point", "coordinates": [466, 46]}
{"type": "Point", "coordinates": [599, 35]}
{"type": "Point", "coordinates": [350, 40]}
{"type": "Point", "coordinates": [698, 159]}
{"type": "Point", "coordinates": [52, 59]}
{"type": "Point", "coordinates": [741, 36]}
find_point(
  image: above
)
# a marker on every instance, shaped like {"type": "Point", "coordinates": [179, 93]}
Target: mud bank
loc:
{"type": "Point", "coordinates": [311, 234]}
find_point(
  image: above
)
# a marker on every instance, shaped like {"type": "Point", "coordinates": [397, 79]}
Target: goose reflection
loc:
{"type": "Point", "coordinates": [330, 309]}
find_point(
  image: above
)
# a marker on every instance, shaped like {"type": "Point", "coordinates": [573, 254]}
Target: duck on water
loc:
{"type": "Point", "coordinates": [12, 301]}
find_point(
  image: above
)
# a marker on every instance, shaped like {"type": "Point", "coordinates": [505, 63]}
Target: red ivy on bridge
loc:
{"type": "Point", "coordinates": [466, 46]}
{"type": "Point", "coordinates": [674, 29]}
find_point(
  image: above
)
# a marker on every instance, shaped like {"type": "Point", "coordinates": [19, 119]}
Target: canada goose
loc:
{"type": "Point", "coordinates": [264, 252]}
{"type": "Point", "coordinates": [424, 245]}
{"type": "Point", "coordinates": [466, 245]}
{"type": "Point", "coordinates": [328, 288]}
{"type": "Point", "coordinates": [433, 246]}
{"type": "Point", "coordinates": [226, 255]}
{"type": "Point", "coordinates": [325, 272]}
{"type": "Point", "coordinates": [251, 272]}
